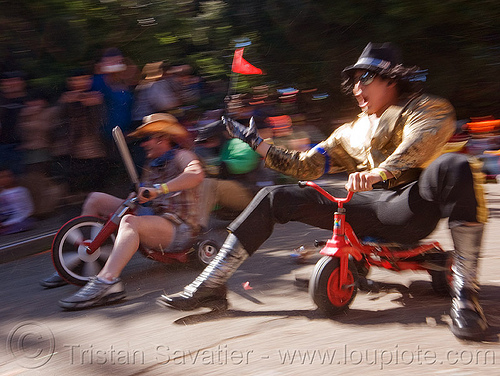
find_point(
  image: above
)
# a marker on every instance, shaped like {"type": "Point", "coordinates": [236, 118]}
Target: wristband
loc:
{"type": "Point", "coordinates": [164, 188]}
{"type": "Point", "coordinates": [381, 172]}
{"type": "Point", "coordinates": [161, 188]}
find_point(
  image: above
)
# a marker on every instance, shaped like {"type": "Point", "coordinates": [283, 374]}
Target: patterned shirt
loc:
{"type": "Point", "coordinates": [178, 207]}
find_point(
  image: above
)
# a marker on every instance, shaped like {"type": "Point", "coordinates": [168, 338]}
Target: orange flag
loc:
{"type": "Point", "coordinates": [242, 66]}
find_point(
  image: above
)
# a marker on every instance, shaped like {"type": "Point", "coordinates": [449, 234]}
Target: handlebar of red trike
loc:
{"type": "Point", "coordinates": [338, 200]}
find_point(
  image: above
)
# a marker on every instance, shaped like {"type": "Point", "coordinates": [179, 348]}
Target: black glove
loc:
{"type": "Point", "coordinates": [248, 134]}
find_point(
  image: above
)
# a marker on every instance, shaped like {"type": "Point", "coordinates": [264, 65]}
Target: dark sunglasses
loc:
{"type": "Point", "coordinates": [365, 79]}
{"type": "Point", "coordinates": [144, 139]}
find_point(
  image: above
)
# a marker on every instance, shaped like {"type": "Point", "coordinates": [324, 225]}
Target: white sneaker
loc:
{"type": "Point", "coordinates": [95, 293]}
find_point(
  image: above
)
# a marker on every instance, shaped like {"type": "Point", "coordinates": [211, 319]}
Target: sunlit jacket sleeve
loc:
{"type": "Point", "coordinates": [408, 136]}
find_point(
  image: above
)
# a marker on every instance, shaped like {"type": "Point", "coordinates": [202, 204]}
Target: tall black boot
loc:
{"type": "Point", "coordinates": [468, 320]}
{"type": "Point", "coordinates": [209, 288]}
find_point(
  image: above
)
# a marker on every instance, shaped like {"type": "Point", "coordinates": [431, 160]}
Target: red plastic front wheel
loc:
{"type": "Point", "coordinates": [325, 288]}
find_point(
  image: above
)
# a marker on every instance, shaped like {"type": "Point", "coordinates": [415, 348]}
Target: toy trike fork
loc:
{"type": "Point", "coordinates": [338, 246]}
{"type": "Point", "coordinates": [111, 226]}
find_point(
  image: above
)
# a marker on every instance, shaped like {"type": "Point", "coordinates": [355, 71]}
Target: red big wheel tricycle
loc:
{"type": "Point", "coordinates": [82, 246]}
{"type": "Point", "coordinates": [334, 280]}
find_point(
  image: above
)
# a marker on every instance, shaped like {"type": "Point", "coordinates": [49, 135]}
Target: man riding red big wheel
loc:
{"type": "Point", "coordinates": [398, 138]}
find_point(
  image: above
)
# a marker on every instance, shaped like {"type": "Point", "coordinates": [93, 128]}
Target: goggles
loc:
{"type": "Point", "coordinates": [365, 79]}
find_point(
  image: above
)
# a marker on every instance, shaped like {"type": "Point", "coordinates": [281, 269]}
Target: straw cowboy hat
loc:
{"type": "Point", "coordinates": [153, 71]}
{"type": "Point", "coordinates": [160, 124]}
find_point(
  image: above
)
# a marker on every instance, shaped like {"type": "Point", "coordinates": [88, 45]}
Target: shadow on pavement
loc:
{"type": "Point", "coordinates": [418, 305]}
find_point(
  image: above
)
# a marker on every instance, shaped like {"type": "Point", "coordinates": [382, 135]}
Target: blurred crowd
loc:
{"type": "Point", "coordinates": [53, 152]}
{"type": "Point", "coordinates": [480, 137]}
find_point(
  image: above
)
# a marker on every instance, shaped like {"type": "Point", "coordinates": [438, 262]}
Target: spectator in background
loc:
{"type": "Point", "coordinates": [60, 150]}
{"type": "Point", "coordinates": [83, 112]}
{"type": "Point", "coordinates": [155, 93]}
{"type": "Point", "coordinates": [36, 122]}
{"type": "Point", "coordinates": [12, 98]}
{"type": "Point", "coordinates": [16, 206]}
{"type": "Point", "coordinates": [190, 84]}
{"type": "Point", "coordinates": [188, 88]}
{"type": "Point", "coordinates": [165, 92]}
{"type": "Point", "coordinates": [143, 105]}
{"type": "Point", "coordinates": [114, 81]}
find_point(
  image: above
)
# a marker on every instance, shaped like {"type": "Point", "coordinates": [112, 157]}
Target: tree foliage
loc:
{"type": "Point", "coordinates": [302, 43]}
